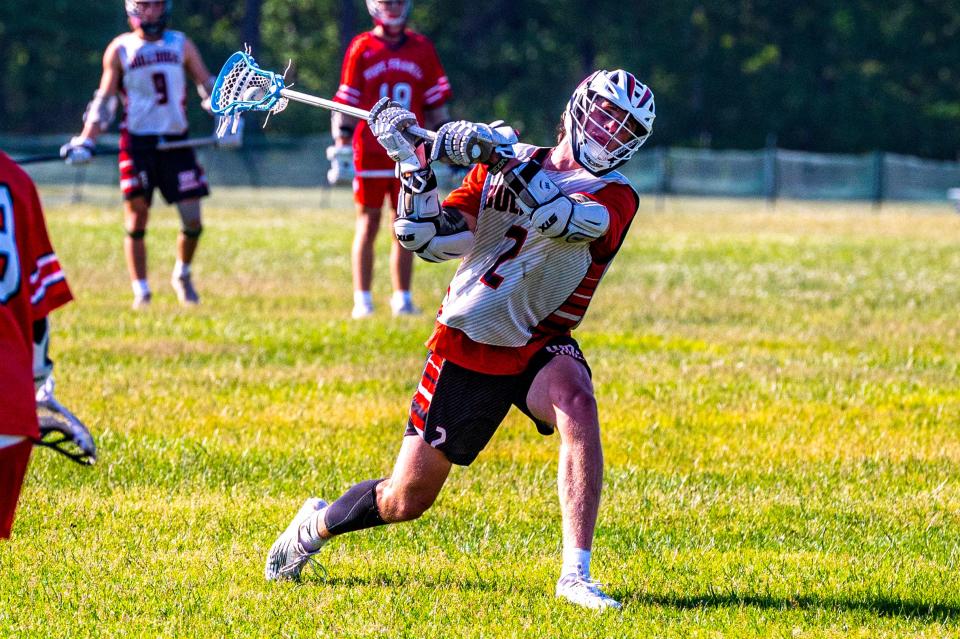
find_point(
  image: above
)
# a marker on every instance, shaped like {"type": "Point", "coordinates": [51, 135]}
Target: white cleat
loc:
{"type": "Point", "coordinates": [287, 556]}
{"type": "Point", "coordinates": [361, 311]}
{"type": "Point", "coordinates": [583, 592]}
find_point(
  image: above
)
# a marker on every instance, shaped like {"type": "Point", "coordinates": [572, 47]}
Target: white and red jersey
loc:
{"type": "Point", "coordinates": [518, 288]}
{"type": "Point", "coordinates": [31, 285]}
{"type": "Point", "coordinates": [154, 85]}
{"type": "Point", "coordinates": [408, 72]}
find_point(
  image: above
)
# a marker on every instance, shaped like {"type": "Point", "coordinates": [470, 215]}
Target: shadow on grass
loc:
{"type": "Point", "coordinates": [882, 606]}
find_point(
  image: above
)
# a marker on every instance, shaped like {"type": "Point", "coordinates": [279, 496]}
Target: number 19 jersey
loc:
{"type": "Point", "coordinates": [154, 84]}
{"type": "Point", "coordinates": [408, 72]}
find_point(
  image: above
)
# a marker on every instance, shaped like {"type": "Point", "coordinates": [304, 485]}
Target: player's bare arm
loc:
{"type": "Point", "coordinates": [198, 72]}
{"type": "Point", "coordinates": [100, 111]}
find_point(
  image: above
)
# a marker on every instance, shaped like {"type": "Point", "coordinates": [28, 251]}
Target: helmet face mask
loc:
{"type": "Point", "coordinates": [382, 17]}
{"type": "Point", "coordinates": [608, 117]}
{"type": "Point", "coordinates": [137, 19]}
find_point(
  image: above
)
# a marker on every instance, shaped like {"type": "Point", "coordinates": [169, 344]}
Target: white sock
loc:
{"type": "Point", "coordinates": [362, 298]}
{"type": "Point", "coordinates": [180, 269]}
{"type": "Point", "coordinates": [309, 532]}
{"type": "Point", "coordinates": [577, 561]}
{"type": "Point", "coordinates": [140, 288]}
{"type": "Point", "coordinates": [401, 298]}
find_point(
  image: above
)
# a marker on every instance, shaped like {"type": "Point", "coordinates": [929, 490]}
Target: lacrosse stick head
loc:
{"type": "Point", "coordinates": [243, 86]}
{"type": "Point", "coordinates": [61, 431]}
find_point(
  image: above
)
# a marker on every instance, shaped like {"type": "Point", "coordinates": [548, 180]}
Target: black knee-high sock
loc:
{"type": "Point", "coordinates": [356, 509]}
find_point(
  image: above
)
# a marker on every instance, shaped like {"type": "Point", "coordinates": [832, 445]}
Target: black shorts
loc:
{"type": "Point", "coordinates": [457, 410]}
{"type": "Point", "coordinates": [142, 168]}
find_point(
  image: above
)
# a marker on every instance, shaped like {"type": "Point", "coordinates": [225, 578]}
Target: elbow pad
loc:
{"type": "Point", "coordinates": [553, 214]}
{"type": "Point", "coordinates": [100, 110]}
{"type": "Point", "coordinates": [571, 219]}
{"type": "Point", "coordinates": [435, 239]}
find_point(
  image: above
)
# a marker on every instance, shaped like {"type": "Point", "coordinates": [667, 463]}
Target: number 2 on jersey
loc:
{"type": "Point", "coordinates": [9, 258]}
{"type": "Point", "coordinates": [519, 235]}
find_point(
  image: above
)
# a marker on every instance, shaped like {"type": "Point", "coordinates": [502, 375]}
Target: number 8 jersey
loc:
{"type": "Point", "coordinates": [154, 84]}
{"type": "Point", "coordinates": [31, 286]}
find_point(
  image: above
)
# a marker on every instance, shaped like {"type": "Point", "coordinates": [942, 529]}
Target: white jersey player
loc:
{"type": "Point", "coordinates": [535, 230]}
{"type": "Point", "coordinates": [148, 68]}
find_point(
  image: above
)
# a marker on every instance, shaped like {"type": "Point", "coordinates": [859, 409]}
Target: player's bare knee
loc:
{"type": "Point", "coordinates": [578, 402]}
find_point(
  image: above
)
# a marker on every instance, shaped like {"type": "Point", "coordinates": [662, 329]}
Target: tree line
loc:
{"type": "Point", "coordinates": [822, 75]}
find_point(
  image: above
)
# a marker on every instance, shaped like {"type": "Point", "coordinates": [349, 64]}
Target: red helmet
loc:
{"type": "Point", "coordinates": [136, 19]}
{"type": "Point", "coordinates": [383, 18]}
{"type": "Point", "coordinates": [608, 117]}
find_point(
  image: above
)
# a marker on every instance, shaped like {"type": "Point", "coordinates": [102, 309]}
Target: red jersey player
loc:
{"type": "Point", "coordinates": [395, 62]}
{"type": "Point", "coordinates": [31, 286]}
{"type": "Point", "coordinates": [535, 230]}
{"type": "Point", "coordinates": [149, 66]}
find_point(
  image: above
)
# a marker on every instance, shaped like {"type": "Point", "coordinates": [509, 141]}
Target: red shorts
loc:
{"type": "Point", "coordinates": [13, 467]}
{"type": "Point", "coordinates": [370, 192]}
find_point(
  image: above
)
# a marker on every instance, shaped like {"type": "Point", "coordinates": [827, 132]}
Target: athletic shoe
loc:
{"type": "Point", "coordinates": [185, 291]}
{"type": "Point", "coordinates": [141, 302]}
{"type": "Point", "coordinates": [287, 556]}
{"type": "Point", "coordinates": [361, 310]}
{"type": "Point", "coordinates": [400, 307]}
{"type": "Point", "coordinates": [583, 592]}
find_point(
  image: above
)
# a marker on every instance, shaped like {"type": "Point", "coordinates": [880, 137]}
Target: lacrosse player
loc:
{"type": "Point", "coordinates": [31, 286]}
{"type": "Point", "coordinates": [395, 62]}
{"type": "Point", "coordinates": [535, 230]}
{"type": "Point", "coordinates": [148, 67]}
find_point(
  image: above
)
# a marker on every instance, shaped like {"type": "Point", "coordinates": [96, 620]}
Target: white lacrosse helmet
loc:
{"type": "Point", "coordinates": [150, 28]}
{"type": "Point", "coordinates": [383, 18]}
{"type": "Point", "coordinates": [597, 145]}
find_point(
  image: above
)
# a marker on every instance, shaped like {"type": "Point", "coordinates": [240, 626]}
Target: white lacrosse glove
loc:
{"type": "Point", "coordinates": [45, 390]}
{"type": "Point", "coordinates": [78, 150]}
{"type": "Point", "coordinates": [388, 121]}
{"type": "Point", "coordinates": [462, 143]}
{"type": "Point", "coordinates": [229, 131]}
{"type": "Point", "coordinates": [341, 164]}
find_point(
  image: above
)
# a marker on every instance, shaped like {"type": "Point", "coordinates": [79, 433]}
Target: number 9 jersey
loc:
{"type": "Point", "coordinates": [154, 84]}
{"type": "Point", "coordinates": [408, 72]}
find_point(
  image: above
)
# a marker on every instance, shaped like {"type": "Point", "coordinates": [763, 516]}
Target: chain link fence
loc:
{"type": "Point", "coordinates": [272, 161]}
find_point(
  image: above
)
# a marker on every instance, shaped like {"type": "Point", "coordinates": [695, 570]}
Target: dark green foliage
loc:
{"type": "Point", "coordinates": [843, 76]}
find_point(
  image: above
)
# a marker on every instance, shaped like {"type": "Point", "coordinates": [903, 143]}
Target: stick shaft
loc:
{"type": "Point", "coordinates": [190, 143]}
{"type": "Point", "coordinates": [362, 114]}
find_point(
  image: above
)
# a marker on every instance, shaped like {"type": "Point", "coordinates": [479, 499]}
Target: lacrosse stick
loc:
{"type": "Point", "coordinates": [60, 430]}
{"type": "Point", "coordinates": [243, 86]}
{"type": "Point", "coordinates": [190, 143]}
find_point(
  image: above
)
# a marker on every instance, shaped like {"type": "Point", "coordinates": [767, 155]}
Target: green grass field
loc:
{"type": "Point", "coordinates": [779, 392]}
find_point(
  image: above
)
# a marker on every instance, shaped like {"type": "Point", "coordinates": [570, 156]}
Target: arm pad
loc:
{"type": "Point", "coordinates": [436, 239]}
{"type": "Point", "coordinates": [100, 110]}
